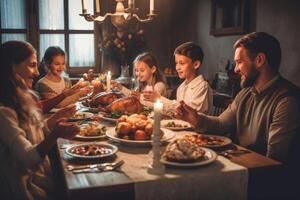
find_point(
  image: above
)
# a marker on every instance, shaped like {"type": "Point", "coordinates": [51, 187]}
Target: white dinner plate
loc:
{"type": "Point", "coordinates": [81, 116]}
{"type": "Point", "coordinates": [91, 137]}
{"type": "Point", "coordinates": [111, 133]}
{"type": "Point", "coordinates": [209, 157]}
{"type": "Point", "coordinates": [112, 149]}
{"type": "Point", "coordinates": [180, 124]}
{"type": "Point", "coordinates": [82, 137]}
{"type": "Point", "coordinates": [225, 141]}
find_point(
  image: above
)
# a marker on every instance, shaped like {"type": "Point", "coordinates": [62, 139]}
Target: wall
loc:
{"type": "Point", "coordinates": [279, 18]}
{"type": "Point", "coordinates": [180, 21]}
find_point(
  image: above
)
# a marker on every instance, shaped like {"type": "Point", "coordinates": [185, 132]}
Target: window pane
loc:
{"type": "Point", "coordinates": [51, 13]}
{"type": "Point", "coordinates": [75, 20]}
{"type": "Point", "coordinates": [13, 14]}
{"type": "Point", "coordinates": [13, 36]}
{"type": "Point", "coordinates": [47, 40]}
{"type": "Point", "coordinates": [82, 50]}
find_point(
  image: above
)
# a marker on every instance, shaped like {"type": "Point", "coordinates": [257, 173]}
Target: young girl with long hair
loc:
{"type": "Point", "coordinates": [54, 83]}
{"type": "Point", "coordinates": [147, 74]}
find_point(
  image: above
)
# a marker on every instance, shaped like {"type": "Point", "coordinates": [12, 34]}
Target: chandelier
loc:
{"type": "Point", "coordinates": [125, 20]}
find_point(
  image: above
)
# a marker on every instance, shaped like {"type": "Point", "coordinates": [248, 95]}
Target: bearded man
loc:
{"type": "Point", "coordinates": [265, 115]}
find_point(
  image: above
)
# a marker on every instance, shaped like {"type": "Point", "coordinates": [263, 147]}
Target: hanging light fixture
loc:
{"type": "Point", "coordinates": [123, 19]}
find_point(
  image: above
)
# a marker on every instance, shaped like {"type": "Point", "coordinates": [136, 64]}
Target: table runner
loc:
{"type": "Point", "coordinates": [221, 179]}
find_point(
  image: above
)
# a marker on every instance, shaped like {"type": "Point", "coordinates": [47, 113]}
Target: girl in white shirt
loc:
{"type": "Point", "coordinates": [194, 90]}
{"type": "Point", "coordinates": [148, 76]}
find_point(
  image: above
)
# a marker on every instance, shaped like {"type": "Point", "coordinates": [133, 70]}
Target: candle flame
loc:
{"type": "Point", "coordinates": [158, 101]}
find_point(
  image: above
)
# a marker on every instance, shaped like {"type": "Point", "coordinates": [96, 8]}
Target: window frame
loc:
{"type": "Point", "coordinates": [33, 33]}
{"type": "Point", "coordinates": [18, 31]}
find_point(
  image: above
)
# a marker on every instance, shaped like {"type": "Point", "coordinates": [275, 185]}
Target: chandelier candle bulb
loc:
{"type": "Point", "coordinates": [151, 6]}
{"type": "Point", "coordinates": [97, 6]}
{"type": "Point", "coordinates": [108, 78]}
{"type": "Point", "coordinates": [130, 2]}
{"type": "Point", "coordinates": [83, 5]}
{"type": "Point", "coordinates": [120, 18]}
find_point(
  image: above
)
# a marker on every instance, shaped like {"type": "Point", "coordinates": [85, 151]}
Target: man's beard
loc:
{"type": "Point", "coordinates": [249, 82]}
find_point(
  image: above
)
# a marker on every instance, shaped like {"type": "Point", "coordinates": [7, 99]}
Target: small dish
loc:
{"type": "Point", "coordinates": [91, 150]}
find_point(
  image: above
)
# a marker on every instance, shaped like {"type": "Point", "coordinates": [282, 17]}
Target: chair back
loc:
{"type": "Point", "coordinates": [220, 103]}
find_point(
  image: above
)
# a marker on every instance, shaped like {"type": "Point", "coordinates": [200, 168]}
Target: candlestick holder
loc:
{"type": "Point", "coordinates": [156, 167]}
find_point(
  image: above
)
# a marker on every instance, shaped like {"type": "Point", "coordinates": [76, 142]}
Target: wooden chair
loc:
{"type": "Point", "coordinates": [220, 103]}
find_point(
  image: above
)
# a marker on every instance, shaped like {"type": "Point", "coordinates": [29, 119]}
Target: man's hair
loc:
{"type": "Point", "coordinates": [191, 50]}
{"type": "Point", "coordinates": [261, 42]}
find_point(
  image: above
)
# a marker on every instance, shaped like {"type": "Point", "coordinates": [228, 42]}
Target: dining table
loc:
{"type": "Point", "coordinates": [229, 176]}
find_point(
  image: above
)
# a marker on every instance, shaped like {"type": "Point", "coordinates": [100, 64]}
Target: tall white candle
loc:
{"type": "Point", "coordinates": [158, 109]}
{"type": "Point", "coordinates": [151, 6]}
{"type": "Point", "coordinates": [83, 5]}
{"type": "Point", "coordinates": [108, 78]}
{"type": "Point", "coordinates": [97, 6]}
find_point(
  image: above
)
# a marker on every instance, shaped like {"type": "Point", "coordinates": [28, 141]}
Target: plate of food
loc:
{"type": "Point", "coordinates": [175, 124]}
{"type": "Point", "coordinates": [184, 153]}
{"type": "Point", "coordinates": [91, 130]}
{"type": "Point", "coordinates": [112, 134]}
{"type": "Point", "coordinates": [210, 141]}
{"type": "Point", "coordinates": [91, 150]}
{"type": "Point", "coordinates": [81, 116]}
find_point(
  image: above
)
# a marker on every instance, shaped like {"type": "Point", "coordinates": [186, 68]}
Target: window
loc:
{"type": "Point", "coordinates": [46, 23]}
{"type": "Point", "coordinates": [13, 20]}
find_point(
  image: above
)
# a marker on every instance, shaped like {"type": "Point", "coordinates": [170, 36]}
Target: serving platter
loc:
{"type": "Point", "coordinates": [111, 134]}
{"type": "Point", "coordinates": [102, 116]}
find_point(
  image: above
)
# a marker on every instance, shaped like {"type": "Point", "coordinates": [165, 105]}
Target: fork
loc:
{"type": "Point", "coordinates": [100, 167]}
{"type": "Point", "coordinates": [233, 152]}
{"type": "Point", "coordinates": [90, 166]}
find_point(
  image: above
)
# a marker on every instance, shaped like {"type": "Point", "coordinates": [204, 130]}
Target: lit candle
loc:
{"type": "Point", "coordinates": [108, 78]}
{"type": "Point", "coordinates": [97, 6]}
{"type": "Point", "coordinates": [85, 76]}
{"type": "Point", "coordinates": [151, 6]}
{"type": "Point", "coordinates": [158, 109]}
{"type": "Point", "coordinates": [81, 82]}
{"type": "Point", "coordinates": [96, 82]}
{"type": "Point", "coordinates": [83, 4]}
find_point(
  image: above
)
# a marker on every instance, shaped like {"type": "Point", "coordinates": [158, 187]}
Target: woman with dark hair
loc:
{"type": "Point", "coordinates": [147, 74]}
{"type": "Point", "coordinates": [25, 169]}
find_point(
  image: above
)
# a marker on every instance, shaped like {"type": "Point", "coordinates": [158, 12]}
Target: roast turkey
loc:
{"type": "Point", "coordinates": [126, 105]}
{"type": "Point", "coordinates": [105, 98]}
